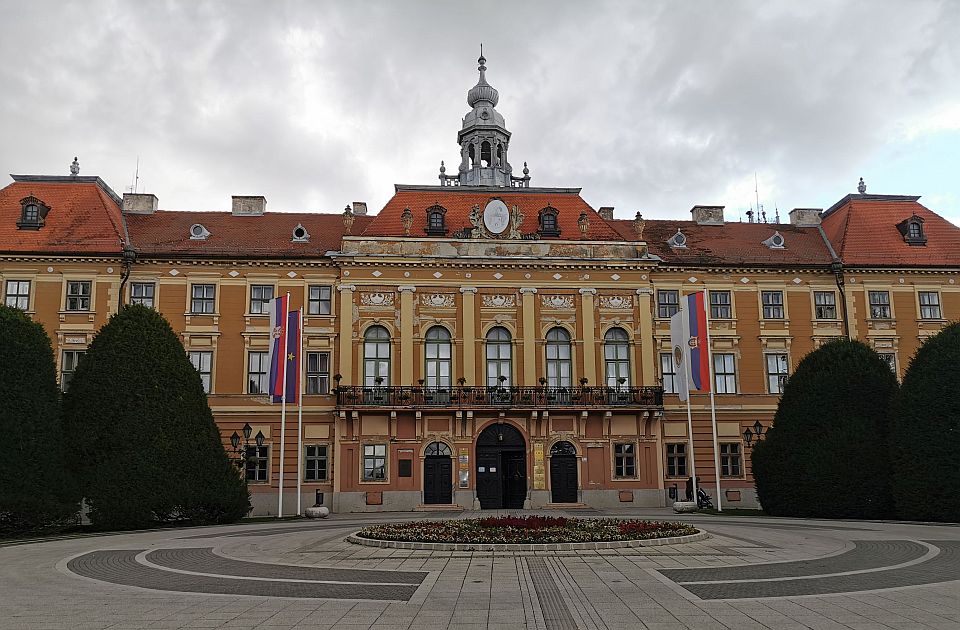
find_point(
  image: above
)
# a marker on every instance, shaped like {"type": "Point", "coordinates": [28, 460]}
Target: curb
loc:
{"type": "Point", "coordinates": [585, 546]}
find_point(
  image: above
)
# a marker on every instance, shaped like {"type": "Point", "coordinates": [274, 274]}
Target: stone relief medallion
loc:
{"type": "Point", "coordinates": [437, 300]}
{"type": "Point", "coordinates": [499, 301]}
{"type": "Point", "coordinates": [376, 299]}
{"type": "Point", "coordinates": [616, 301]}
{"type": "Point", "coordinates": [557, 301]}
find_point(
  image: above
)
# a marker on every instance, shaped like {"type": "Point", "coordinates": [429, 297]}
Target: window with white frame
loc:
{"type": "Point", "coordinates": [669, 373]}
{"type": "Point", "coordinates": [202, 361]}
{"type": "Point", "coordinates": [78, 295]}
{"type": "Point", "coordinates": [879, 304]}
{"type": "Point", "coordinates": [318, 300]}
{"type": "Point", "coordinates": [17, 294]}
{"type": "Point", "coordinates": [890, 358]}
{"type": "Point", "coordinates": [825, 304]}
{"type": "Point", "coordinates": [625, 459]}
{"type": "Point", "coordinates": [676, 459]}
{"type": "Point", "coordinates": [376, 356]}
{"type": "Point", "coordinates": [374, 462]}
{"type": "Point", "coordinates": [724, 372]}
{"type": "Point", "coordinates": [616, 357]}
{"type": "Point", "coordinates": [499, 351]}
{"type": "Point", "coordinates": [318, 373]}
{"type": "Point", "coordinates": [559, 358]}
{"type": "Point", "coordinates": [721, 306]}
{"type": "Point", "coordinates": [929, 305]}
{"type": "Point", "coordinates": [777, 370]}
{"type": "Point", "coordinates": [668, 302]}
{"type": "Point", "coordinates": [315, 462]}
{"type": "Point", "coordinates": [731, 460]}
{"type": "Point", "coordinates": [772, 304]}
{"type": "Point", "coordinates": [257, 463]}
{"type": "Point", "coordinates": [202, 298]}
{"type": "Point", "coordinates": [142, 293]}
{"type": "Point", "coordinates": [258, 370]}
{"type": "Point", "coordinates": [69, 361]}
{"type": "Point", "coordinates": [437, 350]}
{"type": "Point", "coordinates": [260, 296]}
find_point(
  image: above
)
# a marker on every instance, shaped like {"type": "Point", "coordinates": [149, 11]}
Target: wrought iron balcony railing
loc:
{"type": "Point", "coordinates": [472, 397]}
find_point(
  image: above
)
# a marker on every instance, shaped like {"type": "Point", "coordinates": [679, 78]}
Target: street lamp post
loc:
{"type": "Point", "coordinates": [241, 451]}
{"type": "Point", "coordinates": [758, 433]}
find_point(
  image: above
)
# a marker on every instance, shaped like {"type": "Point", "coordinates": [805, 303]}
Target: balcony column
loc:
{"type": "Point", "coordinates": [345, 360]}
{"type": "Point", "coordinates": [647, 342]}
{"type": "Point", "coordinates": [529, 306]}
{"type": "Point", "coordinates": [406, 355]}
{"type": "Point", "coordinates": [588, 335]}
{"type": "Point", "coordinates": [469, 334]}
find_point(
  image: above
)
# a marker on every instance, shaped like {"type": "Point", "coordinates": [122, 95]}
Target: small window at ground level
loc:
{"type": "Point", "coordinates": [677, 460]}
{"type": "Point", "coordinates": [315, 462]}
{"type": "Point", "coordinates": [731, 460]}
{"type": "Point", "coordinates": [257, 463]}
{"type": "Point", "coordinates": [625, 460]}
{"type": "Point", "coordinates": [374, 462]}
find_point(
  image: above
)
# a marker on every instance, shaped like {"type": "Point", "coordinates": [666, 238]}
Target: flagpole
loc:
{"type": "Point", "coordinates": [300, 362]}
{"type": "Point", "coordinates": [713, 403]}
{"type": "Point", "coordinates": [283, 407]}
{"type": "Point", "coordinates": [693, 462]}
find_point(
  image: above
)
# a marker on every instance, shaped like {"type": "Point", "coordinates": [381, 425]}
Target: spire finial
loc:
{"type": "Point", "coordinates": [75, 167]}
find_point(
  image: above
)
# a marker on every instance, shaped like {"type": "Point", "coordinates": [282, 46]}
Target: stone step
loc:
{"type": "Point", "coordinates": [438, 507]}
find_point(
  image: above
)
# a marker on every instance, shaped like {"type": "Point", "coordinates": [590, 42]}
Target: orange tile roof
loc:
{"type": "Point", "coordinates": [731, 243]}
{"type": "Point", "coordinates": [84, 216]}
{"type": "Point", "coordinates": [863, 231]}
{"type": "Point", "coordinates": [460, 200]}
{"type": "Point", "coordinates": [266, 236]}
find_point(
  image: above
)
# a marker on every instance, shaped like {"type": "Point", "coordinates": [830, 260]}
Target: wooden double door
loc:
{"type": "Point", "coordinates": [437, 479]}
{"type": "Point", "coordinates": [563, 473]}
{"type": "Point", "coordinates": [501, 468]}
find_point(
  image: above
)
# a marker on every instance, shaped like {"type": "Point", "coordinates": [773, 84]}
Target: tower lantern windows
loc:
{"type": "Point", "coordinates": [485, 154]}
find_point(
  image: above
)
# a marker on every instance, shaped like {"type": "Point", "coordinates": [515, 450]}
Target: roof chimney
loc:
{"type": "Point", "coordinates": [249, 206]}
{"type": "Point", "coordinates": [139, 203]}
{"type": "Point", "coordinates": [707, 215]}
{"type": "Point", "coordinates": [360, 208]}
{"type": "Point", "coordinates": [606, 212]}
{"type": "Point", "coordinates": [805, 217]}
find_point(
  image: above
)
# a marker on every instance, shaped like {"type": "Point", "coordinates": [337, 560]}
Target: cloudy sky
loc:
{"type": "Point", "coordinates": [652, 106]}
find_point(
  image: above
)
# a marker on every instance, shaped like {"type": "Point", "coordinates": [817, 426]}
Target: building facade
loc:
{"type": "Point", "coordinates": [482, 342]}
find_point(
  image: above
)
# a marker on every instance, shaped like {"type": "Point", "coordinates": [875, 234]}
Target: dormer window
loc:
{"type": "Point", "coordinates": [548, 222]}
{"type": "Point", "coordinates": [300, 234]}
{"type": "Point", "coordinates": [33, 214]}
{"type": "Point", "coordinates": [678, 240]}
{"type": "Point", "coordinates": [775, 242]}
{"type": "Point", "coordinates": [436, 221]}
{"type": "Point", "coordinates": [198, 232]}
{"type": "Point", "coordinates": [912, 230]}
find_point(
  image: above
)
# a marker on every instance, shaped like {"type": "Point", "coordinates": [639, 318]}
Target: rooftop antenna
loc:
{"type": "Point", "coordinates": [136, 178]}
{"type": "Point", "coordinates": [756, 190]}
{"type": "Point", "coordinates": [776, 215]}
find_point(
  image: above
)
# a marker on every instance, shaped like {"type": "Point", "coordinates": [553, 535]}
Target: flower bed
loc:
{"type": "Point", "coordinates": [525, 530]}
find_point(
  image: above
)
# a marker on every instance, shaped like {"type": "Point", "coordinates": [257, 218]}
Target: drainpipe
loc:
{"type": "Point", "coordinates": [129, 257]}
{"type": "Point", "coordinates": [837, 268]}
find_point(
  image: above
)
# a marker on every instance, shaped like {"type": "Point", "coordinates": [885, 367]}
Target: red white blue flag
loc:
{"type": "Point", "coordinates": [276, 358]}
{"type": "Point", "coordinates": [293, 357]}
{"type": "Point", "coordinates": [688, 337]}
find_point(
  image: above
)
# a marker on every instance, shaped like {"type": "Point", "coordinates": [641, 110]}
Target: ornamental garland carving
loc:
{"type": "Point", "coordinates": [616, 301]}
{"type": "Point", "coordinates": [499, 301]}
{"type": "Point", "coordinates": [376, 299]}
{"type": "Point", "coordinates": [437, 300]}
{"type": "Point", "coordinates": [557, 301]}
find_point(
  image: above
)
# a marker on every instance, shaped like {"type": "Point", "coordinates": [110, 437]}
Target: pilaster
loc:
{"type": "Point", "coordinates": [345, 358]}
{"type": "Point", "coordinates": [588, 335]}
{"type": "Point", "coordinates": [469, 335]}
{"type": "Point", "coordinates": [406, 334]}
{"type": "Point", "coordinates": [529, 305]}
{"type": "Point", "coordinates": [647, 343]}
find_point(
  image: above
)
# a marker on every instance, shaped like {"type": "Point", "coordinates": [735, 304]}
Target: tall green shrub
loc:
{"type": "Point", "coordinates": [35, 491]}
{"type": "Point", "coordinates": [147, 447]}
{"type": "Point", "coordinates": [925, 432]}
{"type": "Point", "coordinates": [826, 453]}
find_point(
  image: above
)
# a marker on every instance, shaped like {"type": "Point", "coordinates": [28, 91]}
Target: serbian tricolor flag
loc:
{"type": "Point", "coordinates": [276, 358]}
{"type": "Point", "coordinates": [293, 357]}
{"type": "Point", "coordinates": [688, 338]}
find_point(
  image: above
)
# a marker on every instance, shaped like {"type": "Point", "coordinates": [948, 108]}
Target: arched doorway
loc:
{"type": "Point", "coordinates": [501, 467]}
{"type": "Point", "coordinates": [563, 473]}
{"type": "Point", "coordinates": [437, 474]}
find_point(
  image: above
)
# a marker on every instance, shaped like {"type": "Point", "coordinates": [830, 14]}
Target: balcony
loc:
{"type": "Point", "coordinates": [500, 397]}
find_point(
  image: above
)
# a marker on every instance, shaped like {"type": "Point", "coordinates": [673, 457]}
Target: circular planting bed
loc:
{"type": "Point", "coordinates": [525, 533]}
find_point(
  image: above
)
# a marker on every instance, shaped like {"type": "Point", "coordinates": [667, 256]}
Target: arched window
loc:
{"type": "Point", "coordinates": [32, 213]}
{"type": "Point", "coordinates": [499, 357]}
{"type": "Point", "coordinates": [548, 222]}
{"type": "Point", "coordinates": [485, 154]}
{"type": "Point", "coordinates": [473, 156]}
{"type": "Point", "coordinates": [559, 363]}
{"type": "Point", "coordinates": [438, 363]}
{"type": "Point", "coordinates": [440, 449]}
{"type": "Point", "coordinates": [616, 355]}
{"type": "Point", "coordinates": [563, 448]}
{"type": "Point", "coordinates": [376, 357]}
{"type": "Point", "coordinates": [499, 154]}
{"type": "Point", "coordinates": [436, 221]}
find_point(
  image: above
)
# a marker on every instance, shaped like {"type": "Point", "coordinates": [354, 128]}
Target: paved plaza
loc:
{"type": "Point", "coordinates": [751, 572]}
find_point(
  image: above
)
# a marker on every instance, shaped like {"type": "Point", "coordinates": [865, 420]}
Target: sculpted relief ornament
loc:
{"type": "Point", "coordinates": [499, 301]}
{"type": "Point", "coordinates": [557, 301]}
{"type": "Point", "coordinates": [616, 301]}
{"type": "Point", "coordinates": [376, 299]}
{"type": "Point", "coordinates": [496, 221]}
{"type": "Point", "coordinates": [437, 300]}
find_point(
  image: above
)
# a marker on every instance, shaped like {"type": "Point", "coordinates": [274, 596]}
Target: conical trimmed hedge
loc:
{"type": "Point", "coordinates": [925, 432]}
{"type": "Point", "coordinates": [826, 453]}
{"type": "Point", "coordinates": [148, 450]}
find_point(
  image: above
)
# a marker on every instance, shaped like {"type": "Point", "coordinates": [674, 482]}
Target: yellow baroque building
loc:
{"type": "Point", "coordinates": [482, 342]}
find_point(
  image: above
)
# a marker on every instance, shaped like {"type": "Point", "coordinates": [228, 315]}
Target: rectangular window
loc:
{"type": "Point", "coordinates": [668, 302]}
{"type": "Point", "coordinates": [260, 296]}
{"type": "Point", "coordinates": [203, 363]}
{"type": "Point", "coordinates": [720, 305]}
{"type": "Point", "coordinates": [142, 293]}
{"type": "Point", "coordinates": [318, 300]}
{"type": "Point", "coordinates": [777, 368]}
{"type": "Point", "coordinates": [257, 463]}
{"type": "Point", "coordinates": [772, 304]}
{"type": "Point", "coordinates": [18, 294]}
{"type": "Point", "coordinates": [731, 460]}
{"type": "Point", "coordinates": [374, 462]}
{"type": "Point", "coordinates": [625, 460]}
{"type": "Point", "coordinates": [879, 305]}
{"type": "Point", "coordinates": [676, 460]}
{"type": "Point", "coordinates": [891, 359]}
{"type": "Point", "coordinates": [71, 358]}
{"type": "Point", "coordinates": [669, 373]}
{"type": "Point", "coordinates": [202, 298]}
{"type": "Point", "coordinates": [318, 372]}
{"type": "Point", "coordinates": [725, 374]}
{"type": "Point", "coordinates": [78, 295]}
{"type": "Point", "coordinates": [825, 304]}
{"type": "Point", "coordinates": [929, 305]}
{"type": "Point", "coordinates": [315, 463]}
{"type": "Point", "coordinates": [257, 370]}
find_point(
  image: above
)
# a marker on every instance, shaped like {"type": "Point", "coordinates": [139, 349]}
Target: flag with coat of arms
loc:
{"type": "Point", "coordinates": [688, 341]}
{"type": "Point", "coordinates": [283, 358]}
